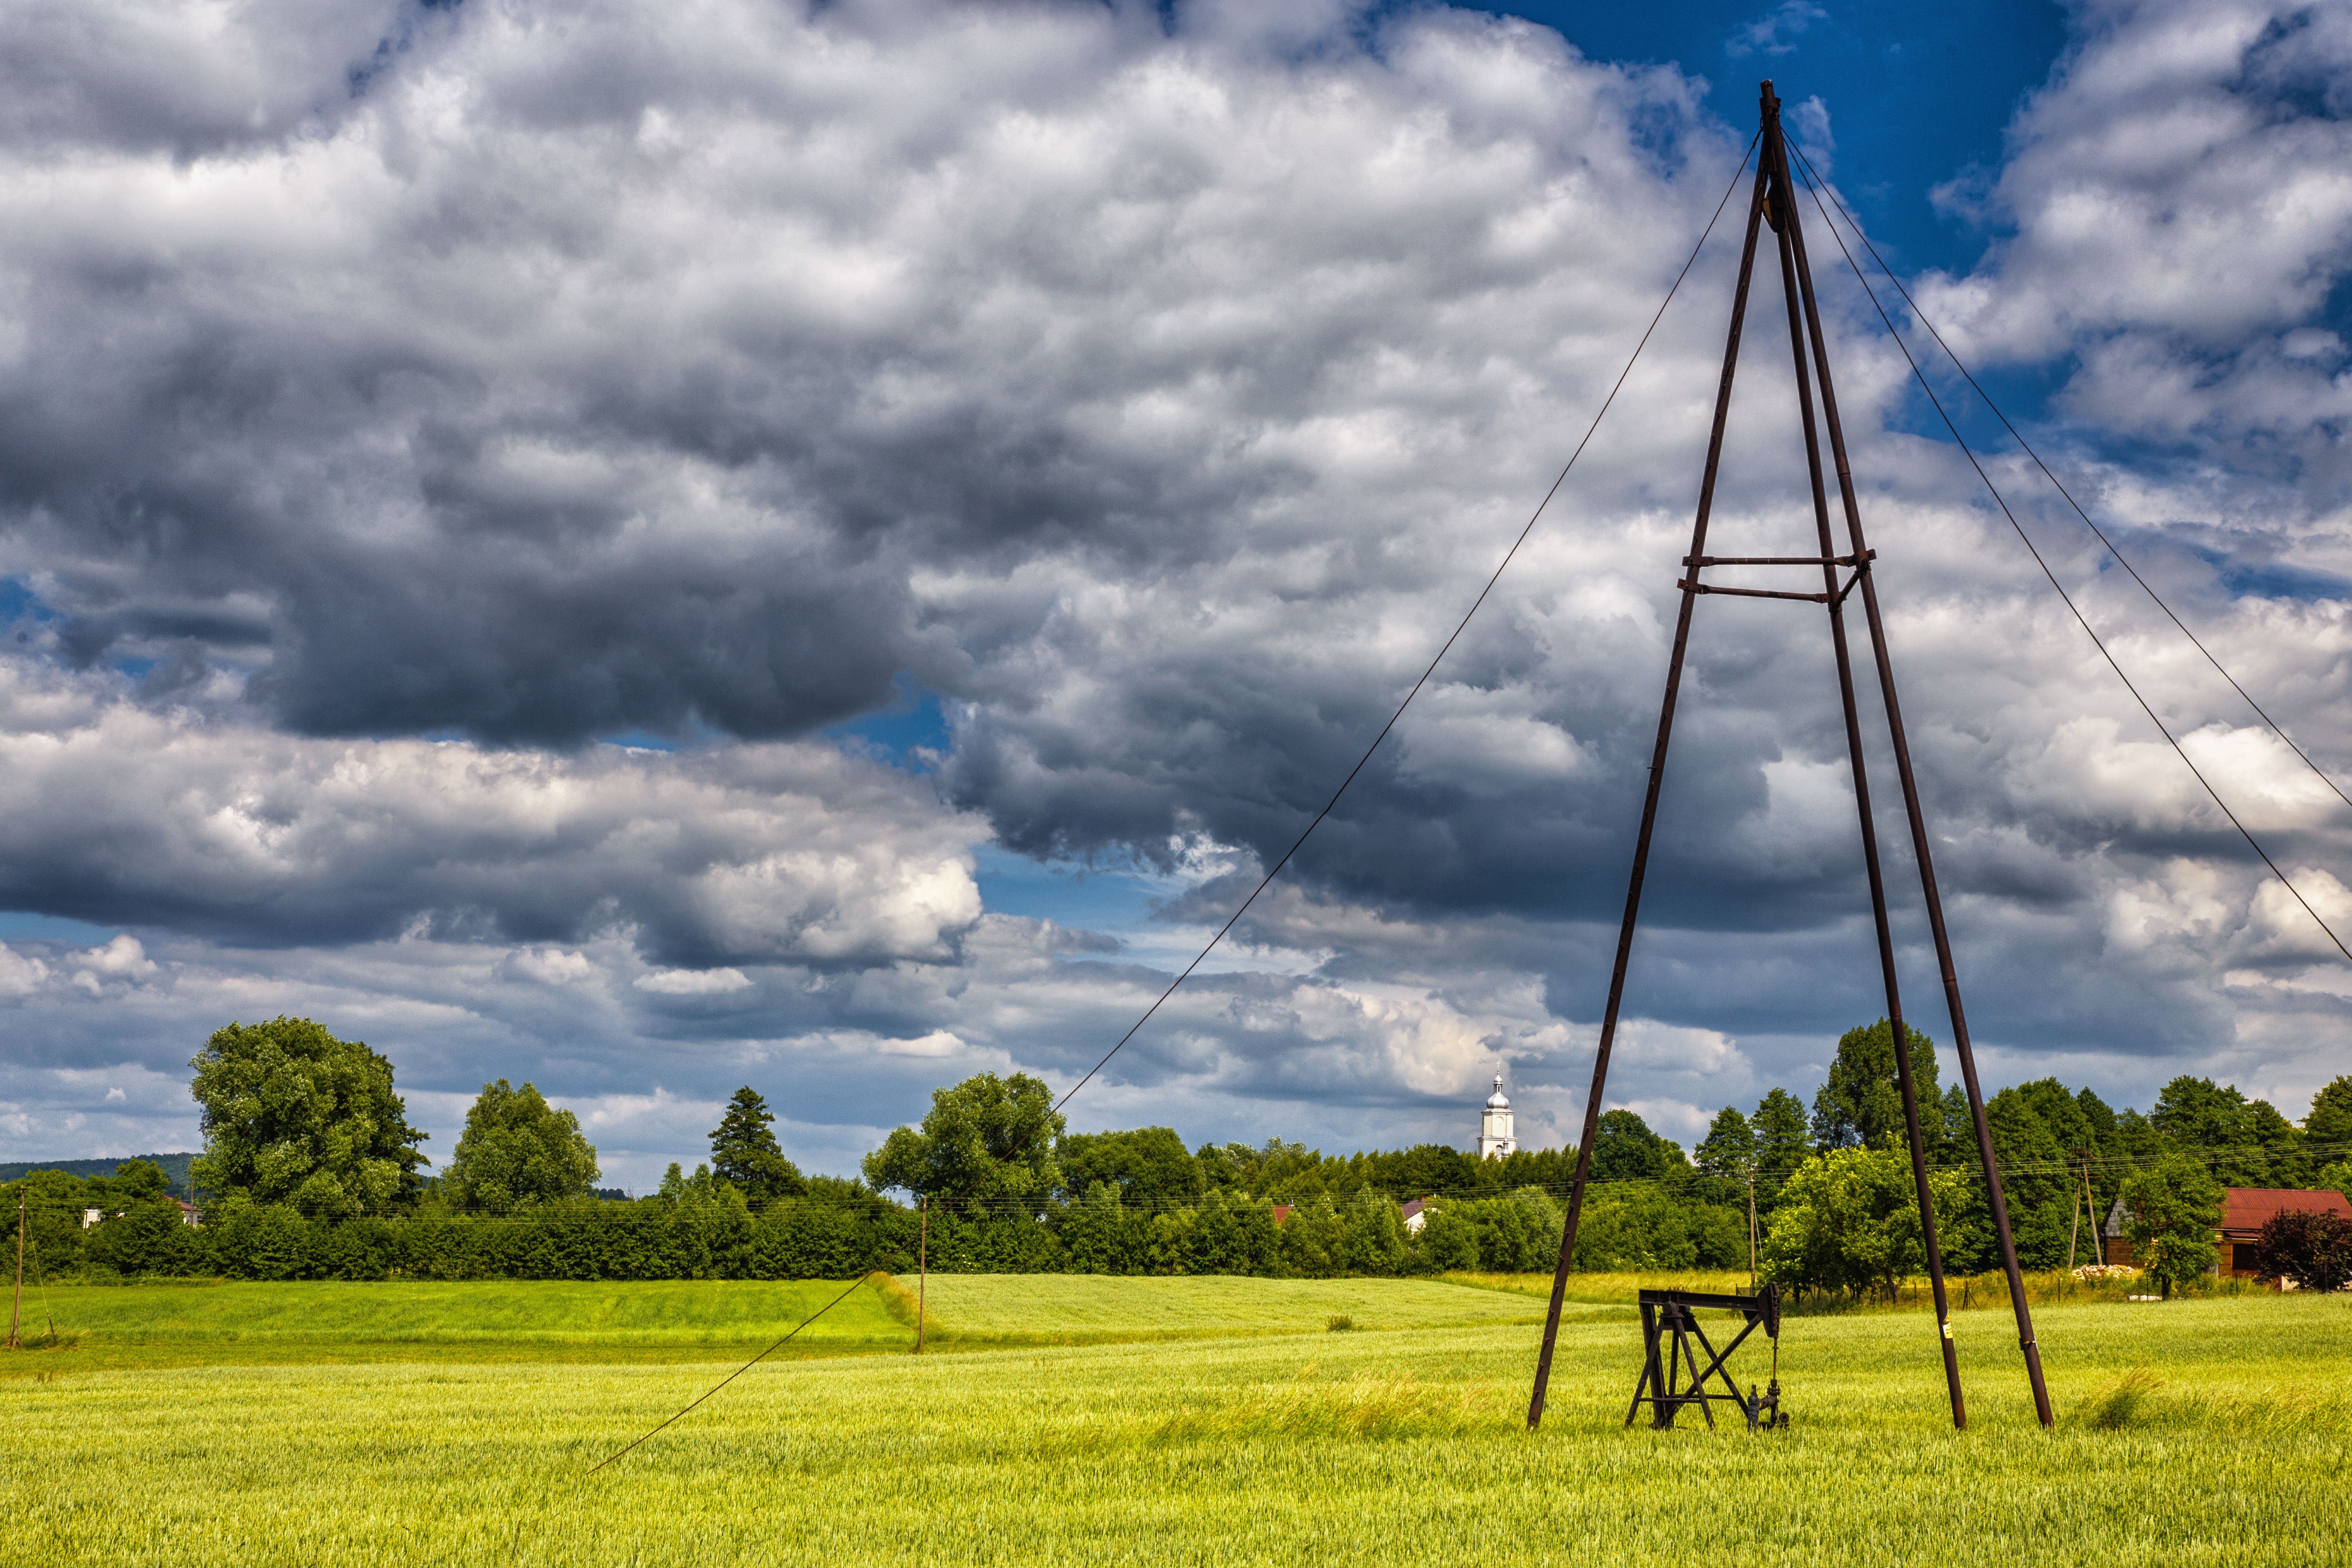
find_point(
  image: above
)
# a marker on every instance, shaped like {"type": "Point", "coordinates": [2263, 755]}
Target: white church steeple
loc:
{"type": "Point", "coordinates": [1495, 1139]}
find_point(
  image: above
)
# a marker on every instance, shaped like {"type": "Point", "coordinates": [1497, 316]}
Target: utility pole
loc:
{"type": "Point", "coordinates": [1751, 1230]}
{"type": "Point", "coordinates": [2074, 1209]}
{"type": "Point", "coordinates": [922, 1269]}
{"type": "Point", "coordinates": [17, 1307]}
{"type": "Point", "coordinates": [2091, 1204]}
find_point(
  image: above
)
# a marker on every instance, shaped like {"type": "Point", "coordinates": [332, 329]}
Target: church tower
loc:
{"type": "Point", "coordinates": [1495, 1139]}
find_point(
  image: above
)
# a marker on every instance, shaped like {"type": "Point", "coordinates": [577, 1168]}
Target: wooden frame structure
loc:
{"type": "Point", "coordinates": [1774, 204]}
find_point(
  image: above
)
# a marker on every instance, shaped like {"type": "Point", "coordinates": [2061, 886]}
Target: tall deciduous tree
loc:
{"type": "Point", "coordinates": [1848, 1220]}
{"type": "Point", "coordinates": [2035, 1176]}
{"type": "Point", "coordinates": [1862, 1104]}
{"type": "Point", "coordinates": [986, 1148]}
{"type": "Point", "coordinates": [518, 1151]}
{"type": "Point", "coordinates": [1149, 1167]}
{"type": "Point", "coordinates": [2222, 1124]}
{"type": "Point", "coordinates": [1625, 1148]}
{"type": "Point", "coordinates": [743, 1152]}
{"type": "Point", "coordinates": [2174, 1208]}
{"type": "Point", "coordinates": [293, 1115]}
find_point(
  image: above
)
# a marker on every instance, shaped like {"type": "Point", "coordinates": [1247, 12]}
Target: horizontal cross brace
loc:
{"type": "Point", "coordinates": [1752, 593]}
{"type": "Point", "coordinates": [1776, 560]}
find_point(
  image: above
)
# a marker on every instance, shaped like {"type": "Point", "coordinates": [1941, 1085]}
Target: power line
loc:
{"type": "Point", "coordinates": [2096, 641]}
{"type": "Point", "coordinates": [1008, 1208]}
{"type": "Point", "coordinates": [1497, 576]}
{"type": "Point", "coordinates": [2112, 548]}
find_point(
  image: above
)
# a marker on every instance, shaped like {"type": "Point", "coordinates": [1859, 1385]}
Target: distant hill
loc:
{"type": "Point", "coordinates": [176, 1167]}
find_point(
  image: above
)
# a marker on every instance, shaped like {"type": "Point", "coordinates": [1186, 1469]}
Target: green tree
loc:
{"type": "Point", "coordinates": [1625, 1148]}
{"type": "Point", "coordinates": [1448, 1242]}
{"type": "Point", "coordinates": [1781, 1141]}
{"type": "Point", "coordinates": [2329, 1122]}
{"type": "Point", "coordinates": [292, 1115]}
{"type": "Point", "coordinates": [2098, 1116]}
{"type": "Point", "coordinates": [1374, 1239]}
{"type": "Point", "coordinates": [1861, 1102]}
{"type": "Point", "coordinates": [2282, 1143]}
{"type": "Point", "coordinates": [1848, 1220]}
{"type": "Point", "coordinates": [2336, 1178]}
{"type": "Point", "coordinates": [2312, 1249]}
{"type": "Point", "coordinates": [517, 1153]}
{"type": "Point", "coordinates": [986, 1148]}
{"type": "Point", "coordinates": [1149, 1167]}
{"type": "Point", "coordinates": [743, 1152]}
{"type": "Point", "coordinates": [1310, 1242]}
{"type": "Point", "coordinates": [2174, 1208]}
{"type": "Point", "coordinates": [2058, 1112]}
{"type": "Point", "coordinates": [701, 1197]}
{"type": "Point", "coordinates": [2193, 1113]}
{"type": "Point", "coordinates": [53, 1205]}
{"type": "Point", "coordinates": [136, 1183]}
{"type": "Point", "coordinates": [1726, 1159]}
{"type": "Point", "coordinates": [2033, 1172]}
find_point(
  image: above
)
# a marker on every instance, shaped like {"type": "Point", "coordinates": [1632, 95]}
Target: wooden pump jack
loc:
{"type": "Point", "coordinates": [1774, 204]}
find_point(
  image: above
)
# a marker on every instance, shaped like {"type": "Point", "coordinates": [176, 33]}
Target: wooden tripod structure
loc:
{"type": "Point", "coordinates": [1774, 203]}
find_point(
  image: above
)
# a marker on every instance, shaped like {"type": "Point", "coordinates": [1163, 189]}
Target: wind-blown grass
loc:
{"type": "Point", "coordinates": [1401, 1447]}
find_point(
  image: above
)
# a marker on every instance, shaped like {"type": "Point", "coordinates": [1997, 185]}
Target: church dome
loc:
{"type": "Point", "coordinates": [1496, 1102]}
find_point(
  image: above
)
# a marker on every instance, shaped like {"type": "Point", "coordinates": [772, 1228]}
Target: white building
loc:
{"type": "Point", "coordinates": [1495, 1137]}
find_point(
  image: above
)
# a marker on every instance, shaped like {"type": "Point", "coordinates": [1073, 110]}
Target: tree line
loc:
{"type": "Point", "coordinates": [312, 1170]}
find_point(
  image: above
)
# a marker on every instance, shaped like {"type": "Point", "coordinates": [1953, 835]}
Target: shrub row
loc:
{"type": "Point", "coordinates": [805, 1240]}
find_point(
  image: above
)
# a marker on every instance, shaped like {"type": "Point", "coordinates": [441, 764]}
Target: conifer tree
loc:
{"type": "Point", "coordinates": [1779, 1129]}
{"type": "Point", "coordinates": [744, 1154]}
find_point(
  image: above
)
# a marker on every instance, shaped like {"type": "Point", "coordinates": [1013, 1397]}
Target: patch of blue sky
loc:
{"type": "Point", "coordinates": [1918, 97]}
{"type": "Point", "coordinates": [2275, 579]}
{"type": "Point", "coordinates": [695, 733]}
{"type": "Point", "coordinates": [19, 925]}
{"type": "Point", "coordinates": [910, 726]}
{"type": "Point", "coordinates": [1113, 901]}
{"type": "Point", "coordinates": [17, 601]}
{"type": "Point", "coordinates": [1124, 903]}
{"type": "Point", "coordinates": [638, 740]}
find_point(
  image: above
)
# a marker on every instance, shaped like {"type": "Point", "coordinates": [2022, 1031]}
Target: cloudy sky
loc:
{"type": "Point", "coordinates": [653, 548]}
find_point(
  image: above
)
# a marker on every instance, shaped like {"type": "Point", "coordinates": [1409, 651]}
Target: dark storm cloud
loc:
{"type": "Point", "coordinates": [623, 376]}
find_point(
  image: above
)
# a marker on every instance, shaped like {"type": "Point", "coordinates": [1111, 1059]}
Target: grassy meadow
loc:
{"type": "Point", "coordinates": [1242, 1430]}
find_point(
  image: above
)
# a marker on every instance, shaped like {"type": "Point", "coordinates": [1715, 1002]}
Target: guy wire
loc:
{"type": "Point", "coordinates": [1267, 879]}
{"type": "Point", "coordinates": [2058, 484]}
{"type": "Point", "coordinates": [1497, 576]}
{"type": "Point", "coordinates": [2080, 619]}
{"type": "Point", "coordinates": [740, 1370]}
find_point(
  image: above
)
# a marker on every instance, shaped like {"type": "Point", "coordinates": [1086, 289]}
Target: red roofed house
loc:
{"type": "Point", "coordinates": [2245, 1211]}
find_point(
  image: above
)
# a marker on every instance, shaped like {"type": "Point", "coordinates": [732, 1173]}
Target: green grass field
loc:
{"type": "Point", "coordinates": [2204, 1431]}
{"type": "Point", "coordinates": [198, 1324]}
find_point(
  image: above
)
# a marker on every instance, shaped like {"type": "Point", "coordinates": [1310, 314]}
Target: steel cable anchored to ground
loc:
{"type": "Point", "coordinates": [2056, 482]}
{"type": "Point", "coordinates": [689, 1409]}
{"type": "Point", "coordinates": [1264, 882]}
{"type": "Point", "coordinates": [1812, 185]}
{"type": "Point", "coordinates": [1462, 626]}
